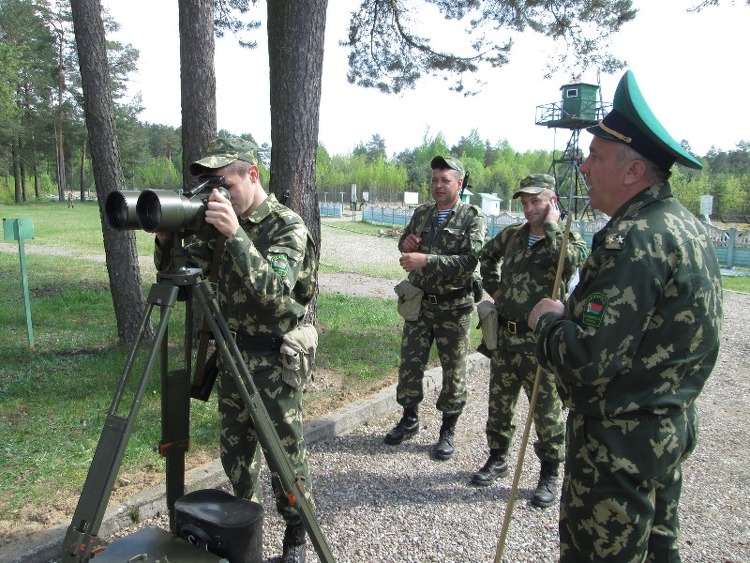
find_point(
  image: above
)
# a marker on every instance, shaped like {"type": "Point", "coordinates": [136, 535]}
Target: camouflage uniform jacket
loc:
{"type": "Point", "coordinates": [641, 331]}
{"type": "Point", "coordinates": [527, 274]}
{"type": "Point", "coordinates": [452, 247]}
{"type": "Point", "coordinates": [268, 270]}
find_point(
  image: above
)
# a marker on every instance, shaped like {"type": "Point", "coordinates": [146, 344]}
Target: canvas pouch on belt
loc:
{"type": "Point", "coordinates": [409, 300]}
{"type": "Point", "coordinates": [297, 355]}
{"type": "Point", "coordinates": [487, 312]}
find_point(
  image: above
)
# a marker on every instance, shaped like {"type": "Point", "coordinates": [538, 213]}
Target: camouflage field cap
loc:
{"type": "Point", "coordinates": [441, 163]}
{"type": "Point", "coordinates": [535, 184]}
{"type": "Point", "coordinates": [632, 122]}
{"type": "Point", "coordinates": [223, 152]}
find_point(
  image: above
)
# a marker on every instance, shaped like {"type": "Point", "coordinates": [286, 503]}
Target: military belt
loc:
{"type": "Point", "coordinates": [643, 414]}
{"type": "Point", "coordinates": [513, 327]}
{"type": "Point", "coordinates": [249, 343]}
{"type": "Point", "coordinates": [435, 298]}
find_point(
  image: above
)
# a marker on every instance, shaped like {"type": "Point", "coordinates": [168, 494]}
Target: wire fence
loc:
{"type": "Point", "coordinates": [732, 245]}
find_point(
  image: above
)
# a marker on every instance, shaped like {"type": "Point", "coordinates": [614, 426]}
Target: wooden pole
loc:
{"type": "Point", "coordinates": [532, 405]}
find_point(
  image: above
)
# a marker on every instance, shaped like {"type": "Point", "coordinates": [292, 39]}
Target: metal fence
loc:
{"type": "Point", "coordinates": [331, 209]}
{"type": "Point", "coordinates": [732, 245]}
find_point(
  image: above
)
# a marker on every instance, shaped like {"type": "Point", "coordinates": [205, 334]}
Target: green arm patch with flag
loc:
{"type": "Point", "coordinates": [594, 309]}
{"type": "Point", "coordinates": [280, 265]}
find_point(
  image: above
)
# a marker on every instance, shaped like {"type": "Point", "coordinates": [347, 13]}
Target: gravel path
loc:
{"type": "Point", "coordinates": [379, 503]}
{"type": "Point", "coordinates": [385, 503]}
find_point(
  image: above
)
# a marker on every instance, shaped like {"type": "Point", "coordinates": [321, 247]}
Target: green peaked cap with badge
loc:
{"type": "Point", "coordinates": [632, 122]}
{"type": "Point", "coordinates": [223, 152]}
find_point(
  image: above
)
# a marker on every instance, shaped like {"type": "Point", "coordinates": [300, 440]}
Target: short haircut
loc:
{"type": "Point", "coordinates": [654, 174]}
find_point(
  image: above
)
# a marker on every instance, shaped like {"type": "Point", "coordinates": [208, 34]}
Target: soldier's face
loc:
{"type": "Point", "coordinates": [240, 188]}
{"type": "Point", "coordinates": [535, 207]}
{"type": "Point", "coordinates": [444, 187]}
{"type": "Point", "coordinates": [605, 175]}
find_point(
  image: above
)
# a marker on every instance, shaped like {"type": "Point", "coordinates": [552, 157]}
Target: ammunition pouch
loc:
{"type": "Point", "coordinates": [487, 312]}
{"type": "Point", "coordinates": [409, 300]}
{"type": "Point", "coordinates": [476, 287]}
{"type": "Point", "coordinates": [202, 390]}
{"type": "Point", "coordinates": [297, 355]}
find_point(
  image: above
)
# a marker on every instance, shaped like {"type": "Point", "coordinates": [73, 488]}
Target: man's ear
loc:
{"type": "Point", "coordinates": [635, 172]}
{"type": "Point", "coordinates": [254, 172]}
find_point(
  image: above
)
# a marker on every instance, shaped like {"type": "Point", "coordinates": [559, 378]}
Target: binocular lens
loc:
{"type": "Point", "coordinates": [120, 209]}
{"type": "Point", "coordinates": [165, 210]}
{"type": "Point", "coordinates": [160, 210]}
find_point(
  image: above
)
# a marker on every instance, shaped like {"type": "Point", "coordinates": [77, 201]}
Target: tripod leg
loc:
{"type": "Point", "coordinates": [81, 538]}
{"type": "Point", "coordinates": [277, 459]}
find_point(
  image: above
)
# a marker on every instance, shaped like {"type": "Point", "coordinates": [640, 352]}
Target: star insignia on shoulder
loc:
{"type": "Point", "coordinates": [614, 242]}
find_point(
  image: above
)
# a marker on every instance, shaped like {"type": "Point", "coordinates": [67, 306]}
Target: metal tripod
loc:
{"type": "Point", "coordinates": [81, 541]}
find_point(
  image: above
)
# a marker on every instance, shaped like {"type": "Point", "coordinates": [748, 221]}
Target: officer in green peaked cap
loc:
{"type": "Point", "coordinates": [632, 346]}
{"type": "Point", "coordinates": [632, 122]}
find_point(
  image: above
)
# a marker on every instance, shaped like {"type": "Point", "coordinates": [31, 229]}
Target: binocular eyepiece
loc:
{"type": "Point", "coordinates": [162, 210]}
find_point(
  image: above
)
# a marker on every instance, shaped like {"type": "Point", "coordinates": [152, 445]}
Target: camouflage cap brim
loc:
{"type": "Point", "coordinates": [223, 152]}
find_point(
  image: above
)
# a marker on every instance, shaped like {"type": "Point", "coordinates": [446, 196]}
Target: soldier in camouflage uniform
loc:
{"type": "Point", "coordinates": [633, 346]}
{"type": "Point", "coordinates": [518, 268]}
{"type": "Point", "coordinates": [267, 275]}
{"type": "Point", "coordinates": [439, 249]}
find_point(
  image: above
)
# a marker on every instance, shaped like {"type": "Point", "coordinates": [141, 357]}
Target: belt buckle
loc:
{"type": "Point", "coordinates": [512, 327]}
{"type": "Point", "coordinates": [432, 299]}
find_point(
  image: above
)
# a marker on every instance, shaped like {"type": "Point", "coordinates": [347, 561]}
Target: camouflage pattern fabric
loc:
{"type": "Point", "coordinates": [267, 275]}
{"type": "Point", "coordinates": [448, 326]}
{"type": "Point", "coordinates": [452, 250]}
{"type": "Point", "coordinates": [452, 247]}
{"type": "Point", "coordinates": [523, 275]}
{"type": "Point", "coordinates": [639, 337]}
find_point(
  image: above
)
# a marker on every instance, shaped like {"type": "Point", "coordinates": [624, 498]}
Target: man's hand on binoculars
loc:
{"type": "Point", "coordinates": [221, 214]}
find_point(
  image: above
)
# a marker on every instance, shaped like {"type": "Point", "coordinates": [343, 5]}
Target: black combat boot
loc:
{"type": "Point", "coordinates": [294, 544]}
{"type": "Point", "coordinates": [444, 448]}
{"type": "Point", "coordinates": [406, 427]}
{"type": "Point", "coordinates": [546, 490]}
{"type": "Point", "coordinates": [496, 466]}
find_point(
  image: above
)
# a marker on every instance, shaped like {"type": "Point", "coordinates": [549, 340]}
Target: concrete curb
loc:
{"type": "Point", "coordinates": [44, 547]}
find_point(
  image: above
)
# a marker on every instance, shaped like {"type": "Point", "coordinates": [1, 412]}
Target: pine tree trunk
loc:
{"type": "Point", "coordinates": [119, 246]}
{"type": "Point", "coordinates": [296, 33]}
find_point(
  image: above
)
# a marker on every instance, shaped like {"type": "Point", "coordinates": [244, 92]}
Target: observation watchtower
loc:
{"type": "Point", "coordinates": [580, 107]}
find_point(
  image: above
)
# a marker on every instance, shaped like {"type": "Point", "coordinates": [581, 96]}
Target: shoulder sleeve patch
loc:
{"type": "Point", "coordinates": [280, 264]}
{"type": "Point", "coordinates": [594, 309]}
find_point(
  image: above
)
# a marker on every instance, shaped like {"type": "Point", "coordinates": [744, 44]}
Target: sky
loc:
{"type": "Point", "coordinates": [691, 69]}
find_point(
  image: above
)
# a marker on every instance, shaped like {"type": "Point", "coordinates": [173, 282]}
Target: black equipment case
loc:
{"type": "Point", "coordinates": [222, 524]}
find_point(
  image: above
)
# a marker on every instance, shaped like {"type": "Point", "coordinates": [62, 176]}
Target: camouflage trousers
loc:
{"type": "Point", "coordinates": [513, 367]}
{"type": "Point", "coordinates": [449, 329]}
{"type": "Point", "coordinates": [239, 446]}
{"type": "Point", "coordinates": [622, 487]}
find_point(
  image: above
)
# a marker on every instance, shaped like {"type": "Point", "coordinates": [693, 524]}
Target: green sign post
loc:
{"type": "Point", "coordinates": [21, 229]}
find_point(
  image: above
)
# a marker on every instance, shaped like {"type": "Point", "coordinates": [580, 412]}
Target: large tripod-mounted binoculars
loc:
{"type": "Point", "coordinates": [206, 530]}
{"type": "Point", "coordinates": [163, 210]}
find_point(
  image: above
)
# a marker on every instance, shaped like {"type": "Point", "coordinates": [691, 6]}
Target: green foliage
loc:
{"type": "Point", "coordinates": [159, 173]}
